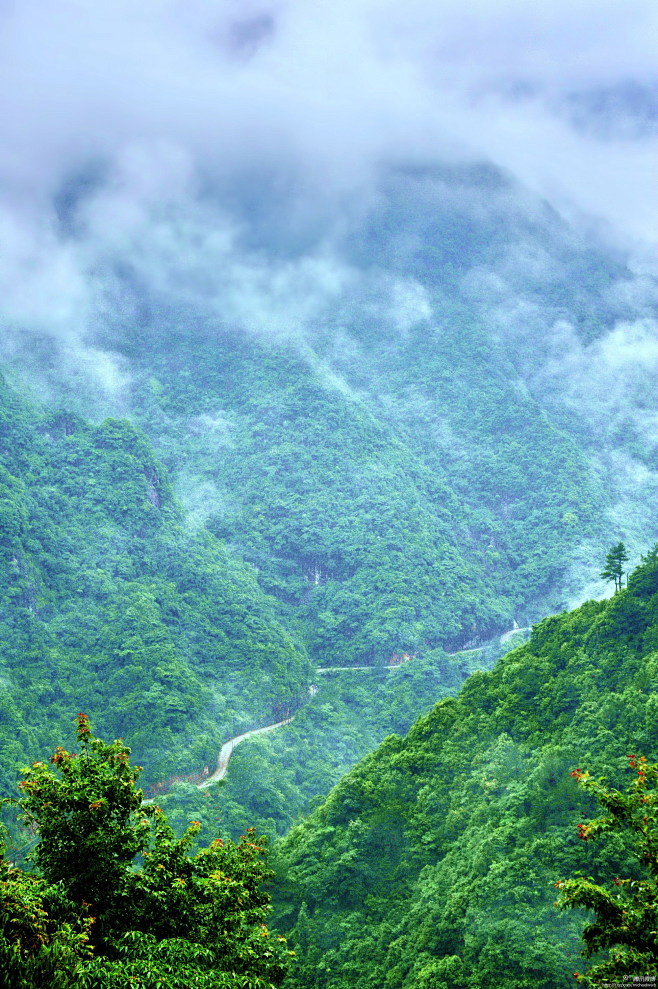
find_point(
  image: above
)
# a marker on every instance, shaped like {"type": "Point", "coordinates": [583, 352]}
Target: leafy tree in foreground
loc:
{"type": "Point", "coordinates": [176, 921]}
{"type": "Point", "coordinates": [614, 565]}
{"type": "Point", "coordinates": [90, 821]}
{"type": "Point", "coordinates": [626, 915]}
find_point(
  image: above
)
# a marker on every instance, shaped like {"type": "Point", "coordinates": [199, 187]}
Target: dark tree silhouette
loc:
{"type": "Point", "coordinates": [614, 565]}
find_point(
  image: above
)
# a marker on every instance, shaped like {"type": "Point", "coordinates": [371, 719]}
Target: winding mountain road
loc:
{"type": "Point", "coordinates": [334, 669]}
{"type": "Point", "coordinates": [228, 748]}
{"type": "Point", "coordinates": [513, 631]}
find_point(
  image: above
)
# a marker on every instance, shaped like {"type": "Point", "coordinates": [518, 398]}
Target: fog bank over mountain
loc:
{"type": "Point", "coordinates": [139, 132]}
{"type": "Point", "coordinates": [342, 183]}
{"type": "Point", "coordinates": [560, 95]}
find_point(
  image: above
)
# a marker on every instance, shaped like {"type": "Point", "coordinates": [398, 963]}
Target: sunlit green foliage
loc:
{"type": "Point", "coordinates": [96, 917]}
{"type": "Point", "coordinates": [625, 909]}
{"type": "Point", "coordinates": [436, 857]}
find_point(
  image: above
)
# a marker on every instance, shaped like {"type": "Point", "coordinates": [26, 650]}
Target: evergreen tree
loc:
{"type": "Point", "coordinates": [614, 565]}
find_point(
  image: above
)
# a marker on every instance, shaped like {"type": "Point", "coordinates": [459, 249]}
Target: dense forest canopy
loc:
{"type": "Point", "coordinates": [110, 602]}
{"type": "Point", "coordinates": [328, 359]}
{"type": "Point", "coordinates": [339, 524]}
{"type": "Point", "coordinates": [436, 858]}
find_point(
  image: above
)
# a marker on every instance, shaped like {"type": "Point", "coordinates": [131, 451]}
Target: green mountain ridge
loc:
{"type": "Point", "coordinates": [274, 449]}
{"type": "Point", "coordinates": [434, 860]}
{"type": "Point", "coordinates": [418, 423]}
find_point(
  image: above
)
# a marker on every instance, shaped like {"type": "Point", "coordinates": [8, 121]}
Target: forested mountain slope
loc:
{"type": "Point", "coordinates": [419, 419]}
{"type": "Point", "coordinates": [378, 542]}
{"type": "Point", "coordinates": [433, 861]}
{"type": "Point", "coordinates": [394, 431]}
{"type": "Point", "coordinates": [108, 603]}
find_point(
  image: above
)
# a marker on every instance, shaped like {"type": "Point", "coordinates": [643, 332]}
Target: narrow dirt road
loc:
{"type": "Point", "coordinates": [229, 747]}
{"type": "Point", "coordinates": [503, 637]}
{"type": "Point", "coordinates": [513, 631]}
{"type": "Point", "coordinates": [334, 669]}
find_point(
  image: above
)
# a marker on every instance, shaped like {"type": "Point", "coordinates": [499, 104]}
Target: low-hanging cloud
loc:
{"type": "Point", "coordinates": [216, 156]}
{"type": "Point", "coordinates": [616, 372]}
{"type": "Point", "coordinates": [326, 90]}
